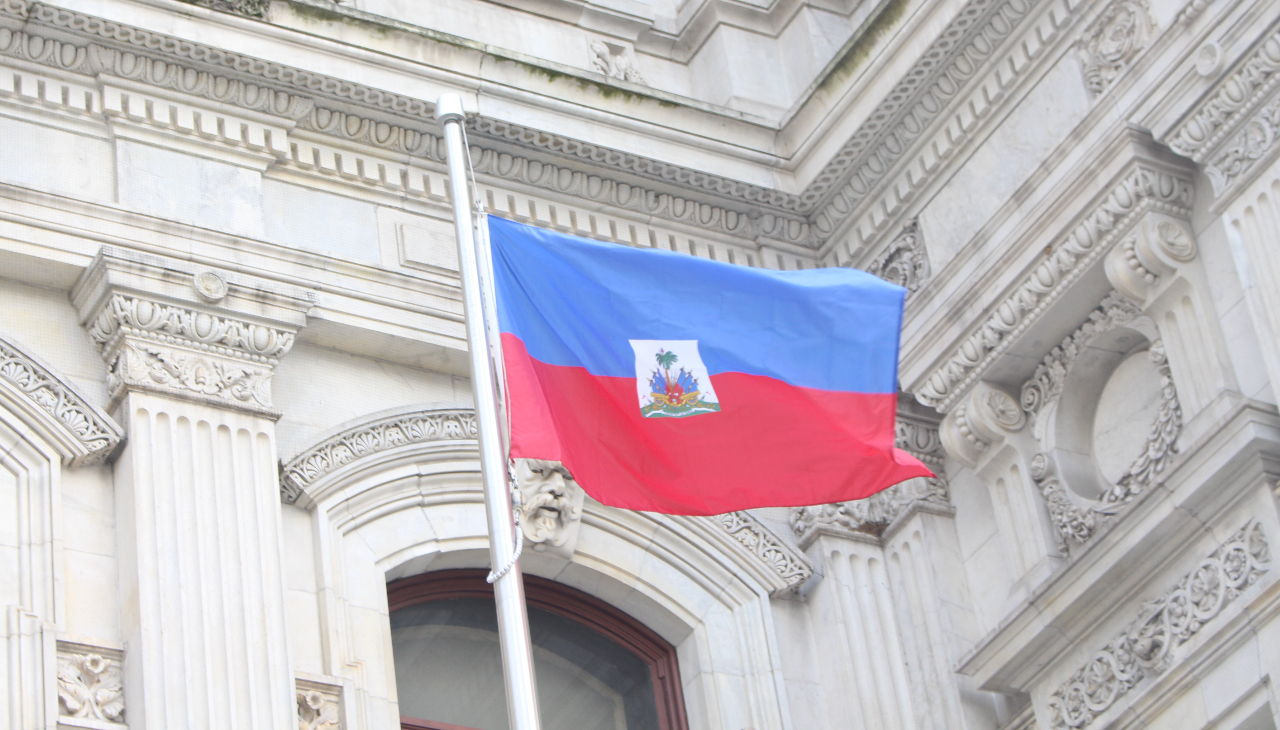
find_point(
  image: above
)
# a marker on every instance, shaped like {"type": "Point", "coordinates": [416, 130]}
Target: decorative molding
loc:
{"type": "Point", "coordinates": [187, 353]}
{"type": "Point", "coordinates": [97, 435]}
{"type": "Point", "coordinates": [422, 426]}
{"type": "Point", "coordinates": [987, 415]}
{"type": "Point", "coordinates": [1045, 385]}
{"type": "Point", "coordinates": [1080, 522]}
{"type": "Point", "coordinates": [758, 540]}
{"type": "Point", "coordinates": [90, 687]}
{"type": "Point", "coordinates": [1231, 100]}
{"type": "Point", "coordinates": [870, 517]}
{"type": "Point", "coordinates": [1140, 189]}
{"type": "Point", "coordinates": [1255, 140]}
{"type": "Point", "coordinates": [918, 99]}
{"type": "Point", "coordinates": [250, 8]}
{"type": "Point", "coordinates": [319, 705]}
{"type": "Point", "coordinates": [1148, 646]}
{"type": "Point", "coordinates": [905, 261]}
{"type": "Point", "coordinates": [1113, 41]}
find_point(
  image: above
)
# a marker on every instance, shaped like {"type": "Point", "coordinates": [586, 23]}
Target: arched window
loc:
{"type": "Point", "coordinates": [597, 668]}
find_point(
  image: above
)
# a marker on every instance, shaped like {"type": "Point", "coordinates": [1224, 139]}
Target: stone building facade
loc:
{"type": "Point", "coordinates": [234, 405]}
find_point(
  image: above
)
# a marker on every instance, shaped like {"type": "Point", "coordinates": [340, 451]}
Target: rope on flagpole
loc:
{"type": "Point", "coordinates": [516, 497]}
{"type": "Point", "coordinates": [517, 508]}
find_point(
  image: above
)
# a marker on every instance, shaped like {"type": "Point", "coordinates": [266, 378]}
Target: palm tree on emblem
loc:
{"type": "Point", "coordinates": [665, 361]}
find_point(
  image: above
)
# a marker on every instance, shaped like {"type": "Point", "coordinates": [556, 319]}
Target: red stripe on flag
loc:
{"type": "Point", "coordinates": [771, 444]}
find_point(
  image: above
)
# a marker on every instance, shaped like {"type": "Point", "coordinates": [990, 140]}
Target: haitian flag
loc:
{"type": "Point", "coordinates": [670, 383]}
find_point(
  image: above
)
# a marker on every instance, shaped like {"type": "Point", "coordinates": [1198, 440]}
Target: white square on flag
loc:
{"type": "Point", "coordinates": [671, 380]}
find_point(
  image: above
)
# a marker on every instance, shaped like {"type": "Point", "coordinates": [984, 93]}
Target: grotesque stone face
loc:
{"type": "Point", "coordinates": [552, 503]}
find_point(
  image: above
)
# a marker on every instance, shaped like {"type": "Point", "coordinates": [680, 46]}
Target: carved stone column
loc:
{"type": "Point", "coordinates": [1155, 266]}
{"type": "Point", "coordinates": [190, 355]}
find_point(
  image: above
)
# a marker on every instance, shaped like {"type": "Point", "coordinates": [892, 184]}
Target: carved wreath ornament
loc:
{"type": "Point", "coordinates": [1148, 646]}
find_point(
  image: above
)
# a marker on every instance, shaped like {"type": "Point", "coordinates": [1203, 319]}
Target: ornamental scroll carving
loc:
{"type": "Point", "coordinates": [905, 262]}
{"type": "Point", "coordinates": [1113, 41]}
{"type": "Point", "coordinates": [187, 353]}
{"type": "Point", "coordinates": [872, 515]}
{"type": "Point", "coordinates": [790, 566]}
{"type": "Point", "coordinates": [1233, 98]}
{"type": "Point", "coordinates": [1070, 257]}
{"type": "Point", "coordinates": [319, 705]}
{"type": "Point", "coordinates": [380, 435]}
{"type": "Point", "coordinates": [89, 685]}
{"type": "Point", "coordinates": [613, 61]}
{"type": "Point", "coordinates": [1148, 646]}
{"type": "Point", "coordinates": [98, 435]}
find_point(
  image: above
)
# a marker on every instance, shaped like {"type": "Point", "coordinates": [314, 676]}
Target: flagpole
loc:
{"type": "Point", "coordinates": [508, 589]}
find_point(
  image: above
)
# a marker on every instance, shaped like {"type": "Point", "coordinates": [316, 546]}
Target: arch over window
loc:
{"type": "Point", "coordinates": [597, 667]}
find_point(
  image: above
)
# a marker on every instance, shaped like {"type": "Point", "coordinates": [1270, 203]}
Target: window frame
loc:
{"type": "Point", "coordinates": [565, 602]}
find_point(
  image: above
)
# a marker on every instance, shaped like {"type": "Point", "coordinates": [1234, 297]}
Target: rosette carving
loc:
{"type": "Point", "coordinates": [1148, 646]}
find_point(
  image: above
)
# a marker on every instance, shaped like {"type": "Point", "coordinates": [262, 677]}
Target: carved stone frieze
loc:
{"type": "Point", "coordinates": [97, 434]}
{"type": "Point", "coordinates": [250, 8]}
{"type": "Point", "coordinates": [380, 435]}
{"type": "Point", "coordinates": [1113, 41]}
{"type": "Point", "coordinates": [905, 261]}
{"type": "Point", "coordinates": [1149, 645]}
{"type": "Point", "coordinates": [1231, 100]}
{"type": "Point", "coordinates": [790, 566]}
{"type": "Point", "coordinates": [1046, 383]}
{"type": "Point", "coordinates": [90, 686]}
{"type": "Point", "coordinates": [187, 353]}
{"type": "Point", "coordinates": [1239, 153]}
{"type": "Point", "coordinates": [1070, 257]}
{"type": "Point", "coordinates": [919, 99]}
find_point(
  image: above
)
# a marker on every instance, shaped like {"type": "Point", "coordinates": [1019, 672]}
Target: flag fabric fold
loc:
{"type": "Point", "coordinates": [670, 383]}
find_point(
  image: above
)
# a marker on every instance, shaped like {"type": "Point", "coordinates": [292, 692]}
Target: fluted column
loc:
{"type": "Point", "coordinates": [190, 356]}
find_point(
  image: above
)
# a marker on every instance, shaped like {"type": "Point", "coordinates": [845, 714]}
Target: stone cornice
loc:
{"type": "Point", "coordinates": [88, 435]}
{"type": "Point", "coordinates": [403, 126]}
{"type": "Point", "coordinates": [1140, 187]}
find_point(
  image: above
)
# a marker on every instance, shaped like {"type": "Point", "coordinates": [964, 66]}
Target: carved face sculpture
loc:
{"type": "Point", "coordinates": [552, 502]}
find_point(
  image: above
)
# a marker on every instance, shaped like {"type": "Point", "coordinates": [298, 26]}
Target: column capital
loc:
{"type": "Point", "coordinates": [188, 331]}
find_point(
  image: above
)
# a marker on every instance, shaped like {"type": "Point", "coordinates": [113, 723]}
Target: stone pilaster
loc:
{"type": "Point", "coordinates": [190, 355]}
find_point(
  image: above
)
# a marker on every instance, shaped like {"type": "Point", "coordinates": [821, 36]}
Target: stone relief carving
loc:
{"type": "Point", "coordinates": [186, 352]}
{"type": "Point", "coordinates": [1070, 257]}
{"type": "Point", "coordinates": [551, 505]}
{"type": "Point", "coordinates": [614, 61]}
{"type": "Point", "coordinates": [319, 705]}
{"type": "Point", "coordinates": [316, 711]}
{"type": "Point", "coordinates": [387, 433]}
{"type": "Point", "coordinates": [1253, 142]}
{"type": "Point", "coordinates": [1113, 41]}
{"type": "Point", "coordinates": [985, 416]}
{"type": "Point", "coordinates": [1045, 384]}
{"type": "Point", "coordinates": [908, 110]}
{"type": "Point", "coordinates": [96, 432]}
{"type": "Point", "coordinates": [1234, 97]}
{"type": "Point", "coordinates": [251, 8]}
{"type": "Point", "coordinates": [1080, 522]}
{"type": "Point", "coordinates": [90, 686]}
{"type": "Point", "coordinates": [791, 567]}
{"type": "Point", "coordinates": [872, 515]}
{"type": "Point", "coordinates": [1148, 646]}
{"type": "Point", "coordinates": [905, 262]}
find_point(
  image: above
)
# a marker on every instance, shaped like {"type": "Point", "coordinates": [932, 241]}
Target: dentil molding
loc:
{"type": "Point", "coordinates": [155, 327]}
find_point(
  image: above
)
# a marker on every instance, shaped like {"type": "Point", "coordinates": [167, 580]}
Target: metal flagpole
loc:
{"type": "Point", "coordinates": [508, 589]}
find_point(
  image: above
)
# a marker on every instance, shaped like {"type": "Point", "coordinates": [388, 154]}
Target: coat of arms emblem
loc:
{"type": "Point", "coordinates": [671, 380]}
